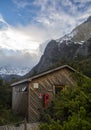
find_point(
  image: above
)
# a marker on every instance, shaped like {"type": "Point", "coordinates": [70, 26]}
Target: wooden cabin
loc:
{"type": "Point", "coordinates": [30, 96]}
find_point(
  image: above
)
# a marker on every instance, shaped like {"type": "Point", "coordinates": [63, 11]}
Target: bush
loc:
{"type": "Point", "coordinates": [6, 115]}
{"type": "Point", "coordinates": [71, 108]}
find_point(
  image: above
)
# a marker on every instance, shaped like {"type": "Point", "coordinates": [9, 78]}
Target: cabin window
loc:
{"type": "Point", "coordinates": [21, 89]}
{"type": "Point", "coordinates": [59, 88]}
{"type": "Point", "coordinates": [24, 89]}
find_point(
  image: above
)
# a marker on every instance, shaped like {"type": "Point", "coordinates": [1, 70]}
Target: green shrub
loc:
{"type": "Point", "coordinates": [71, 109]}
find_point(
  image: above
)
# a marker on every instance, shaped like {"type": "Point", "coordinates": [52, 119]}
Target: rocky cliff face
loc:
{"type": "Point", "coordinates": [55, 53]}
{"type": "Point", "coordinates": [68, 48]}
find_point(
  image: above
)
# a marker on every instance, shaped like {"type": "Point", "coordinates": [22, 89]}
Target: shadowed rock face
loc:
{"type": "Point", "coordinates": [56, 52]}
{"type": "Point", "coordinates": [67, 48]}
{"type": "Point", "coordinates": [84, 49]}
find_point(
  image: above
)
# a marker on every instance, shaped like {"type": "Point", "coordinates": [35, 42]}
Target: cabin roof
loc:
{"type": "Point", "coordinates": [20, 82]}
{"type": "Point", "coordinates": [52, 70]}
{"type": "Point", "coordinates": [42, 74]}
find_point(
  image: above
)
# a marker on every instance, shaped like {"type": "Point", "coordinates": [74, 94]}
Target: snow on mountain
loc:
{"type": "Point", "coordinates": [67, 37]}
{"type": "Point", "coordinates": [9, 70]}
{"type": "Point", "coordinates": [79, 34]}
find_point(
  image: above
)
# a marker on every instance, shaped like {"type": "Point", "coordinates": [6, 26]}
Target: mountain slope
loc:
{"type": "Point", "coordinates": [75, 46]}
{"type": "Point", "coordinates": [80, 33]}
{"type": "Point", "coordinates": [63, 54]}
{"type": "Point", "coordinates": [83, 31]}
{"type": "Point", "coordinates": [11, 73]}
{"type": "Point", "coordinates": [9, 70]}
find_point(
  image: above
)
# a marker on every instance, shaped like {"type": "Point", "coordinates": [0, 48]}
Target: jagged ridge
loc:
{"type": "Point", "coordinates": [68, 48]}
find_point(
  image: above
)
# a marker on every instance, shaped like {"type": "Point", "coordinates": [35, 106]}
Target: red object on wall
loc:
{"type": "Point", "coordinates": [46, 98]}
{"type": "Point", "coordinates": [40, 95]}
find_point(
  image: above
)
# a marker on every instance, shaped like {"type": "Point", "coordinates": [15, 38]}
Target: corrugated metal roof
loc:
{"type": "Point", "coordinates": [42, 74]}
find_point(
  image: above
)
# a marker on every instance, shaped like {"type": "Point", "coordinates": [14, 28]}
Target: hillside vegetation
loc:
{"type": "Point", "coordinates": [81, 64]}
{"type": "Point", "coordinates": [6, 115]}
{"type": "Point", "coordinates": [71, 109]}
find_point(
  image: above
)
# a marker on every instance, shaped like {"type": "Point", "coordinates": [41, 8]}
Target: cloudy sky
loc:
{"type": "Point", "coordinates": [27, 25]}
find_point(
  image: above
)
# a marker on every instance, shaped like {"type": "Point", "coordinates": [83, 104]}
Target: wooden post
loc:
{"type": "Point", "coordinates": [25, 124]}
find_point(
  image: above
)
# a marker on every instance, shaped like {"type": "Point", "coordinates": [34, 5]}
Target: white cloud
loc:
{"type": "Point", "coordinates": [41, 3]}
{"type": "Point", "coordinates": [12, 38]}
{"type": "Point", "coordinates": [2, 20]}
{"type": "Point", "coordinates": [55, 22]}
{"type": "Point", "coordinates": [54, 17]}
{"type": "Point", "coordinates": [82, 1]}
{"type": "Point", "coordinates": [17, 39]}
{"type": "Point", "coordinates": [21, 3]}
{"type": "Point", "coordinates": [18, 46]}
{"type": "Point", "coordinates": [17, 58]}
{"type": "Point", "coordinates": [51, 21]}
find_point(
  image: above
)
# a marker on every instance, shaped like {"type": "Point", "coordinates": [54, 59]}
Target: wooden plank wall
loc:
{"type": "Point", "coordinates": [46, 85]}
{"type": "Point", "coordinates": [19, 100]}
